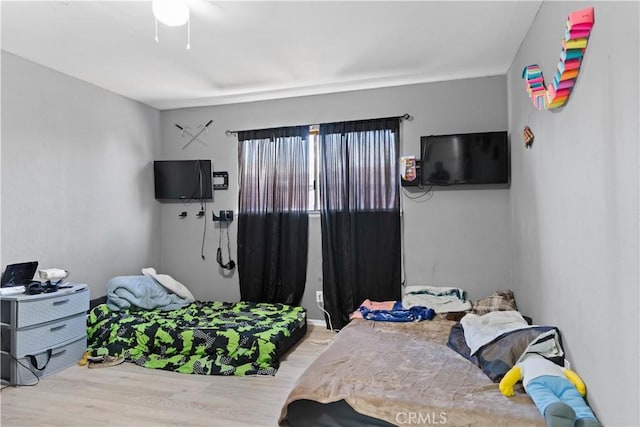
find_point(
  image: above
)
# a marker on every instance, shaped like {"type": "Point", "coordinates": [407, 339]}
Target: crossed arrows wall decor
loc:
{"type": "Point", "coordinates": [184, 130]}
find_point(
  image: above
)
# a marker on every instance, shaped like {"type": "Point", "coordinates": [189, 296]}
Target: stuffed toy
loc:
{"type": "Point", "coordinates": [557, 392]}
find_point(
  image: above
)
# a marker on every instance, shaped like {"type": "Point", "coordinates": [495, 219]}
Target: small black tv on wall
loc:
{"type": "Point", "coordinates": [466, 159]}
{"type": "Point", "coordinates": [185, 180]}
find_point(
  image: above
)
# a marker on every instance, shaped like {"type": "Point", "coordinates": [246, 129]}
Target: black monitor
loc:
{"type": "Point", "coordinates": [186, 180]}
{"type": "Point", "coordinates": [465, 159]}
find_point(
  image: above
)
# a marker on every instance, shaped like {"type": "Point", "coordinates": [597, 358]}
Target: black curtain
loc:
{"type": "Point", "coordinates": [360, 214]}
{"type": "Point", "coordinates": [273, 220]}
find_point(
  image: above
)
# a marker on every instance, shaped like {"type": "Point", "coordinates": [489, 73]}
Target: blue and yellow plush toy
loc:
{"type": "Point", "coordinates": [557, 392]}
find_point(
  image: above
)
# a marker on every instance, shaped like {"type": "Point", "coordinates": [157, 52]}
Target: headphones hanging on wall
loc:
{"type": "Point", "coordinates": [228, 266]}
{"type": "Point", "coordinates": [231, 264]}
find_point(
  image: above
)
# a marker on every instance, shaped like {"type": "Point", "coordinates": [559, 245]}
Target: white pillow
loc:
{"type": "Point", "coordinates": [169, 283]}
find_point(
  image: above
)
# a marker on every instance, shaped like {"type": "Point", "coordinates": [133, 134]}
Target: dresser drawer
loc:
{"type": "Point", "coordinates": [62, 356]}
{"type": "Point", "coordinates": [42, 337]}
{"type": "Point", "coordinates": [32, 312]}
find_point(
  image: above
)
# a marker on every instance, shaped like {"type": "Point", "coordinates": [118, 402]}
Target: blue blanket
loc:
{"type": "Point", "coordinates": [144, 292]}
{"type": "Point", "coordinates": [398, 314]}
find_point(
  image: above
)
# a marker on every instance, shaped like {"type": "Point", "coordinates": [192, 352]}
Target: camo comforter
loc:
{"type": "Point", "coordinates": [209, 338]}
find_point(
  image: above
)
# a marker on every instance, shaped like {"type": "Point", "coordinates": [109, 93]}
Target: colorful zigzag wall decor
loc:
{"type": "Point", "coordinates": [579, 24]}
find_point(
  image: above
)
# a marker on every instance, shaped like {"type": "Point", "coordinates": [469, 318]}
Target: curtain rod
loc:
{"type": "Point", "coordinates": [405, 116]}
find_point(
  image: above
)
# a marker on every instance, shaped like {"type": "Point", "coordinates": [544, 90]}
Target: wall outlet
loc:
{"type": "Point", "coordinates": [319, 297]}
{"type": "Point", "coordinates": [225, 216]}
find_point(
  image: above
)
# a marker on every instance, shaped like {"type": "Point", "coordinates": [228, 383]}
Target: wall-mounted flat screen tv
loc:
{"type": "Point", "coordinates": [186, 180]}
{"type": "Point", "coordinates": [465, 159]}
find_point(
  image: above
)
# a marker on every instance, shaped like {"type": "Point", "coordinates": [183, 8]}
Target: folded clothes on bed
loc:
{"type": "Point", "coordinates": [440, 299]}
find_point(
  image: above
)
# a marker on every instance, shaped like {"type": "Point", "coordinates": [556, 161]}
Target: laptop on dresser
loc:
{"type": "Point", "coordinates": [20, 274]}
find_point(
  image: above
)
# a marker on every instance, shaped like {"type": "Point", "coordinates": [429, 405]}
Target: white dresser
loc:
{"type": "Point", "coordinates": [42, 334]}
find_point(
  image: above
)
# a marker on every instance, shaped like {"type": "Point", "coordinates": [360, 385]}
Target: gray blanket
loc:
{"type": "Point", "coordinates": [498, 356]}
{"type": "Point", "coordinates": [144, 292]}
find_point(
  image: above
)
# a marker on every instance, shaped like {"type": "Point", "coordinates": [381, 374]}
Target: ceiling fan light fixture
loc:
{"type": "Point", "coordinates": [172, 13]}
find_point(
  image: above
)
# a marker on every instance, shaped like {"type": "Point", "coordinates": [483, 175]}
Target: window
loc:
{"type": "Point", "coordinates": [314, 169]}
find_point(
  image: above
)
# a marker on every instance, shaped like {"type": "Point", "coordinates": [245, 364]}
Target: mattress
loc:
{"type": "Point", "coordinates": [402, 373]}
{"type": "Point", "coordinates": [309, 413]}
{"type": "Point", "coordinates": [209, 338]}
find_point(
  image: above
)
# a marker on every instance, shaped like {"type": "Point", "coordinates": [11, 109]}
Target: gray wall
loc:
{"type": "Point", "coordinates": [77, 190]}
{"type": "Point", "coordinates": [76, 176]}
{"type": "Point", "coordinates": [455, 238]}
{"type": "Point", "coordinates": [574, 200]}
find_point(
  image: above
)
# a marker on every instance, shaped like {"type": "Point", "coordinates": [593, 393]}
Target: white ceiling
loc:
{"type": "Point", "coordinates": [245, 51]}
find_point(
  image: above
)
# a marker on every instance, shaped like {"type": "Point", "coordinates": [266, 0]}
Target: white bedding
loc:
{"type": "Point", "coordinates": [480, 330]}
{"type": "Point", "coordinates": [440, 299]}
{"type": "Point", "coordinates": [171, 284]}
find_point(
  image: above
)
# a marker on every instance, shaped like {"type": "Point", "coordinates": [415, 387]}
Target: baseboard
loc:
{"type": "Point", "coordinates": [316, 322]}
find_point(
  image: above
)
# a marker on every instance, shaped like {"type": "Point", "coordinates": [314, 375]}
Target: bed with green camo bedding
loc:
{"type": "Point", "coordinates": [208, 338]}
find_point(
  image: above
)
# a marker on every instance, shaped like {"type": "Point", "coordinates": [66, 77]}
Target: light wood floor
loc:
{"type": "Point", "coordinates": [129, 395]}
